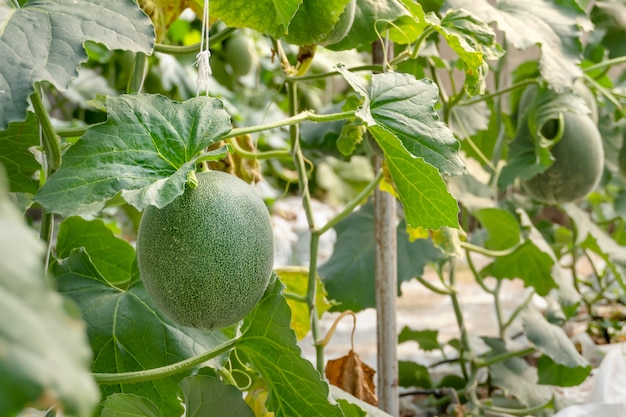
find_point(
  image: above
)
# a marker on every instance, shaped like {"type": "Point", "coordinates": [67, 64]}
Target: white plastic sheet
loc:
{"type": "Point", "coordinates": [607, 397]}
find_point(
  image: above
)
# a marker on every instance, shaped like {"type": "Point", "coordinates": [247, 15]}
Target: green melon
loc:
{"type": "Point", "coordinates": [578, 165]}
{"type": "Point", "coordinates": [342, 27]}
{"type": "Point", "coordinates": [206, 258]}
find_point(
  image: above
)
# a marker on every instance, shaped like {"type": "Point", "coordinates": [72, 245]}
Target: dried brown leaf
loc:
{"type": "Point", "coordinates": [352, 375]}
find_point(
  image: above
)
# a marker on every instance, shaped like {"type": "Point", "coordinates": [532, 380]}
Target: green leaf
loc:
{"type": "Point", "coordinates": [349, 273]}
{"type": "Point", "coordinates": [533, 261]}
{"type": "Point", "coordinates": [405, 106]}
{"type": "Point", "coordinates": [370, 15]}
{"type": "Point", "coordinates": [128, 405]}
{"type": "Point", "coordinates": [16, 155]}
{"type": "Point", "coordinates": [45, 40]}
{"type": "Point", "coordinates": [502, 227]}
{"type": "Point", "coordinates": [112, 257]}
{"type": "Point", "coordinates": [516, 377]}
{"type": "Point", "coordinates": [314, 20]}
{"type": "Point", "coordinates": [427, 202]}
{"type": "Point", "coordinates": [338, 394]}
{"type": "Point", "coordinates": [296, 279]}
{"type": "Point", "coordinates": [295, 387]}
{"type": "Point", "coordinates": [400, 115]}
{"type": "Point", "coordinates": [560, 363]}
{"type": "Point", "coordinates": [553, 26]}
{"type": "Point", "coordinates": [271, 17]}
{"type": "Point", "coordinates": [145, 150]}
{"type": "Point", "coordinates": [45, 356]}
{"type": "Point", "coordinates": [474, 41]}
{"type": "Point", "coordinates": [299, 22]}
{"type": "Point", "coordinates": [208, 396]}
{"type": "Point", "coordinates": [128, 333]}
{"type": "Point", "coordinates": [411, 374]}
{"type": "Point", "coordinates": [350, 410]}
{"type": "Point", "coordinates": [426, 339]}
{"type": "Point", "coordinates": [527, 263]}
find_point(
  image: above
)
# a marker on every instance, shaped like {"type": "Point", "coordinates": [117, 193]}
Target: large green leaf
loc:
{"type": "Point", "coordinates": [349, 273]}
{"type": "Point", "coordinates": [128, 333]}
{"type": "Point", "coordinates": [554, 26]}
{"type": "Point", "coordinates": [371, 15]}
{"type": "Point", "coordinates": [516, 377]}
{"type": "Point", "coordinates": [113, 257]}
{"type": "Point", "coordinates": [560, 363]}
{"type": "Point", "coordinates": [400, 115]}
{"type": "Point", "coordinates": [208, 396]}
{"type": "Point", "coordinates": [145, 150]}
{"type": "Point", "coordinates": [533, 261]}
{"type": "Point", "coordinates": [406, 107]}
{"type": "Point", "coordinates": [128, 405]}
{"type": "Point", "coordinates": [16, 155]}
{"type": "Point", "coordinates": [295, 387]}
{"type": "Point", "coordinates": [299, 22]}
{"type": "Point", "coordinates": [43, 41]}
{"type": "Point", "coordinates": [271, 17]}
{"type": "Point", "coordinates": [502, 227]}
{"type": "Point", "coordinates": [45, 356]}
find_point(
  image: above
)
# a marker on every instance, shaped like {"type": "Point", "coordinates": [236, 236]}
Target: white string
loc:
{"type": "Point", "coordinates": [202, 59]}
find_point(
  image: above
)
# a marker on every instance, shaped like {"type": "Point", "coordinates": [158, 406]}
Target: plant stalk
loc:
{"type": "Point", "coordinates": [164, 371]}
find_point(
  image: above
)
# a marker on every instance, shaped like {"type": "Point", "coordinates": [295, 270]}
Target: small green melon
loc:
{"type": "Point", "coordinates": [206, 258]}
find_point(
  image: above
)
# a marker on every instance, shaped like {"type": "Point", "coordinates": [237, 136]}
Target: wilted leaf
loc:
{"type": "Point", "coordinates": [45, 39]}
{"type": "Point", "coordinates": [45, 356]}
{"type": "Point", "coordinates": [352, 375]}
{"type": "Point", "coordinates": [145, 150]}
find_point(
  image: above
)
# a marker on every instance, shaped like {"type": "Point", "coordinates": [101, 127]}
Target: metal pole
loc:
{"type": "Point", "coordinates": [386, 284]}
